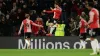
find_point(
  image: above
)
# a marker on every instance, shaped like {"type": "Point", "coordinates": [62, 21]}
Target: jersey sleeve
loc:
{"type": "Point", "coordinates": [21, 26]}
{"type": "Point", "coordinates": [91, 14]}
{"type": "Point", "coordinates": [56, 11]}
{"type": "Point", "coordinates": [32, 23]}
{"type": "Point", "coordinates": [80, 24]}
{"type": "Point", "coordinates": [49, 11]}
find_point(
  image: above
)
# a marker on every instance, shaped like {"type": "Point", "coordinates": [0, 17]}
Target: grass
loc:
{"type": "Point", "coordinates": [45, 52]}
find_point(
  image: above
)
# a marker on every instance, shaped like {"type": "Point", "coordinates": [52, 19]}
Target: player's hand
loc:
{"type": "Point", "coordinates": [19, 33]}
{"type": "Point", "coordinates": [86, 26]}
{"type": "Point", "coordinates": [51, 8]}
{"type": "Point", "coordinates": [44, 10]}
{"type": "Point", "coordinates": [41, 26]}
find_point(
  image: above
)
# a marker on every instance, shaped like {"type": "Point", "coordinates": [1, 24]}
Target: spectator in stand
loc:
{"type": "Point", "coordinates": [72, 28]}
{"type": "Point", "coordinates": [33, 15]}
{"type": "Point", "coordinates": [95, 4]}
{"type": "Point", "coordinates": [74, 9]}
{"type": "Point", "coordinates": [32, 5]}
{"type": "Point", "coordinates": [14, 7]}
{"type": "Point", "coordinates": [3, 7]}
{"type": "Point", "coordinates": [21, 3]}
{"type": "Point", "coordinates": [3, 26]}
{"type": "Point", "coordinates": [25, 8]}
{"type": "Point", "coordinates": [80, 10]}
{"type": "Point", "coordinates": [20, 15]}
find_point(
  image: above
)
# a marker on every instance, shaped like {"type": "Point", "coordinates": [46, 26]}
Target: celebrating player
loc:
{"type": "Point", "coordinates": [83, 30]}
{"type": "Point", "coordinates": [93, 26]}
{"type": "Point", "coordinates": [27, 29]}
{"type": "Point", "coordinates": [57, 13]}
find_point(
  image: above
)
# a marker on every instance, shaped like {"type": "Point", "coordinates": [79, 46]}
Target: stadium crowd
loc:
{"type": "Point", "coordinates": [12, 12]}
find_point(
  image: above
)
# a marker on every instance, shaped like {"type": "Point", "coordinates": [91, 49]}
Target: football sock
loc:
{"type": "Point", "coordinates": [51, 30]}
{"type": "Point", "coordinates": [97, 45]}
{"type": "Point", "coordinates": [82, 43]}
{"type": "Point", "coordinates": [93, 45]}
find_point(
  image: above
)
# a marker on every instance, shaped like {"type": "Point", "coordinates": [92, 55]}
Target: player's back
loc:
{"type": "Point", "coordinates": [27, 25]}
{"type": "Point", "coordinates": [57, 14]}
{"type": "Point", "coordinates": [82, 28]}
{"type": "Point", "coordinates": [95, 23]}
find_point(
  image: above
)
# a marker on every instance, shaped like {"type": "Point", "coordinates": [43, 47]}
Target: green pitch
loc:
{"type": "Point", "coordinates": [46, 52]}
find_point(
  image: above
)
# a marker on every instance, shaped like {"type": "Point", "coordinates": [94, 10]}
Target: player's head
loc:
{"type": "Point", "coordinates": [90, 5]}
{"type": "Point", "coordinates": [39, 19]}
{"type": "Point", "coordinates": [27, 16]}
{"type": "Point", "coordinates": [56, 5]}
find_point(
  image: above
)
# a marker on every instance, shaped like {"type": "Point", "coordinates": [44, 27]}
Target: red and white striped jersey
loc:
{"type": "Point", "coordinates": [94, 16]}
{"type": "Point", "coordinates": [57, 13]}
{"type": "Point", "coordinates": [27, 25]}
{"type": "Point", "coordinates": [82, 23]}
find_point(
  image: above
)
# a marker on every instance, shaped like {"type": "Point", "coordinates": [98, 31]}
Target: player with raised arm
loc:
{"type": "Point", "coordinates": [27, 29]}
{"type": "Point", "coordinates": [56, 17]}
{"type": "Point", "coordinates": [93, 26]}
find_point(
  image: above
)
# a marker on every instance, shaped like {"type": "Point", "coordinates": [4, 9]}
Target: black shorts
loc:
{"type": "Point", "coordinates": [54, 20]}
{"type": "Point", "coordinates": [27, 35]}
{"type": "Point", "coordinates": [93, 32]}
{"type": "Point", "coordinates": [83, 36]}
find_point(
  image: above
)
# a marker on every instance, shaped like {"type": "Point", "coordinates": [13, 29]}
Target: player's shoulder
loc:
{"type": "Point", "coordinates": [30, 20]}
{"type": "Point", "coordinates": [91, 12]}
{"type": "Point", "coordinates": [24, 20]}
{"type": "Point", "coordinates": [94, 9]}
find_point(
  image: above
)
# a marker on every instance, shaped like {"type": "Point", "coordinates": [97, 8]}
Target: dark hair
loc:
{"type": "Point", "coordinates": [90, 4]}
{"type": "Point", "coordinates": [57, 4]}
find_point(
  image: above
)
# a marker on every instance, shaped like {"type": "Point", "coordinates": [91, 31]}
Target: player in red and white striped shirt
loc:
{"type": "Point", "coordinates": [56, 17]}
{"type": "Point", "coordinates": [93, 26]}
{"type": "Point", "coordinates": [83, 31]}
{"type": "Point", "coordinates": [57, 12]}
{"type": "Point", "coordinates": [27, 28]}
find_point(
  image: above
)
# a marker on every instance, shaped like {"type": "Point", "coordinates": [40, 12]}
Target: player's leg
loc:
{"type": "Point", "coordinates": [94, 42]}
{"type": "Point", "coordinates": [27, 40]}
{"type": "Point", "coordinates": [28, 47]}
{"type": "Point", "coordinates": [82, 40]}
{"type": "Point", "coordinates": [97, 44]}
{"type": "Point", "coordinates": [51, 27]}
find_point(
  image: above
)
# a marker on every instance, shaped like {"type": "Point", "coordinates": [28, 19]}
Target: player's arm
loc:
{"type": "Point", "coordinates": [56, 10]}
{"type": "Point", "coordinates": [47, 11]}
{"type": "Point", "coordinates": [91, 18]}
{"type": "Point", "coordinates": [55, 25]}
{"type": "Point", "coordinates": [20, 28]}
{"type": "Point", "coordinates": [36, 24]}
{"type": "Point", "coordinates": [50, 11]}
{"type": "Point", "coordinates": [80, 25]}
